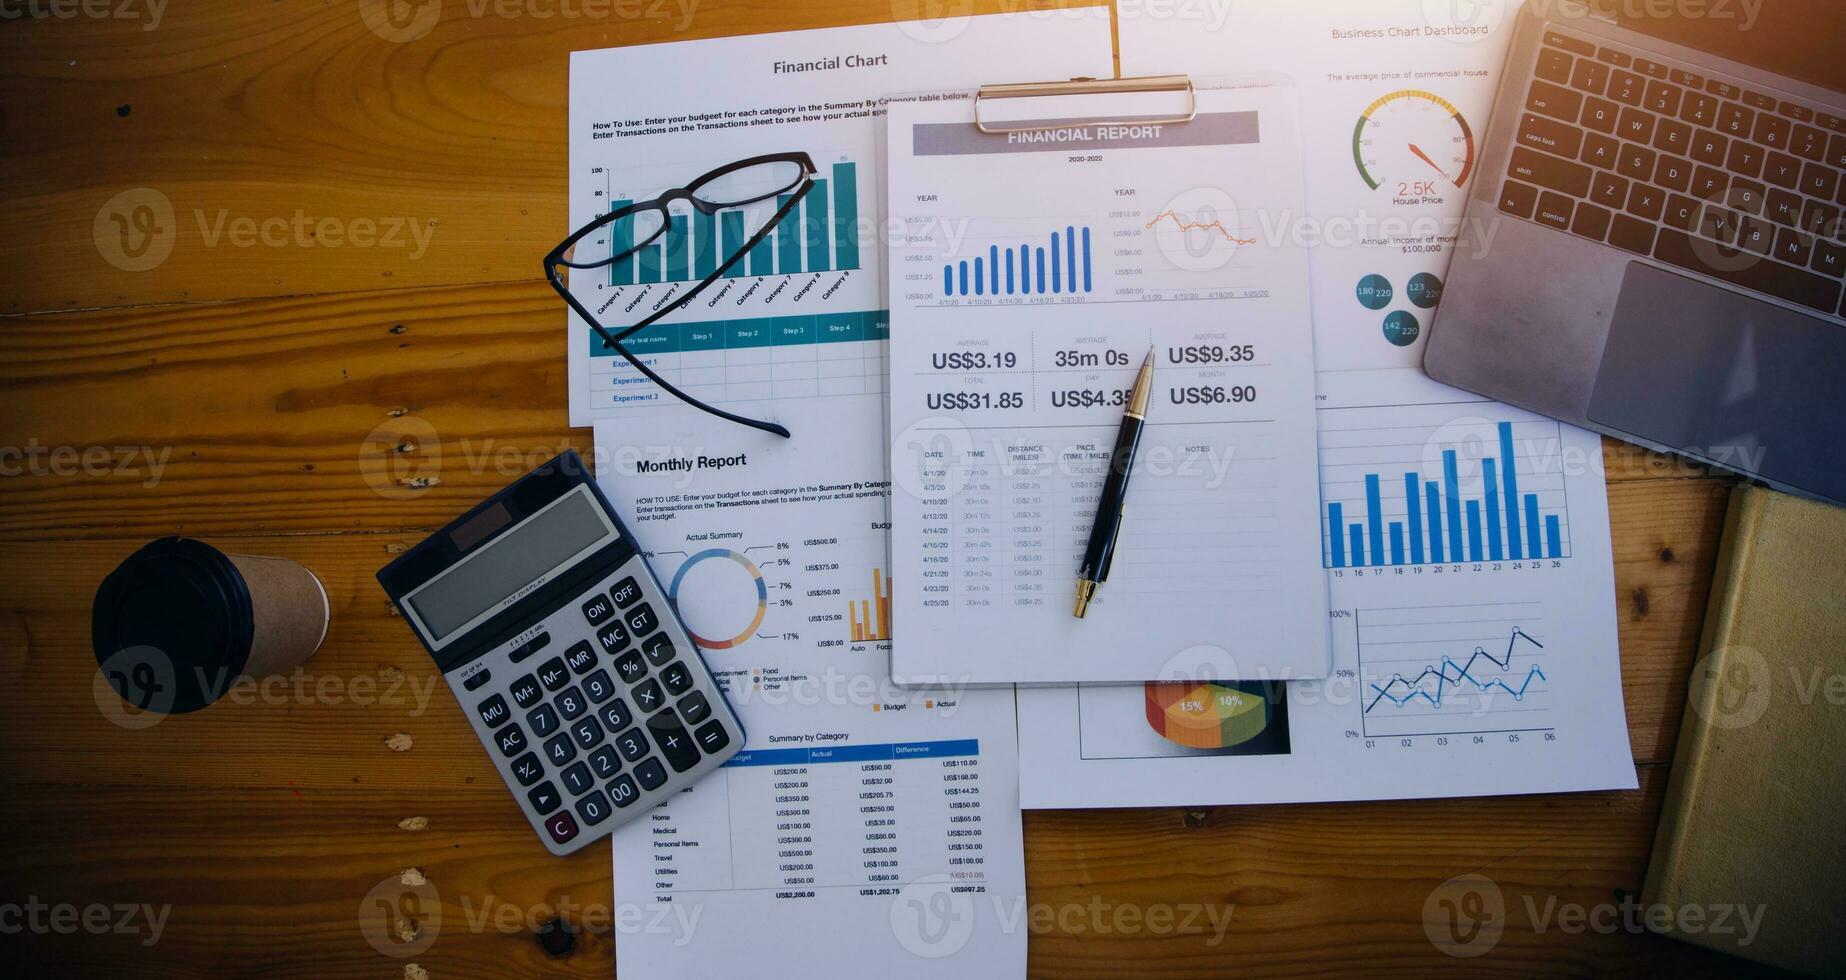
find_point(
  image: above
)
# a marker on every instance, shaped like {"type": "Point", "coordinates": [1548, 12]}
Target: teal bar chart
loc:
{"type": "Point", "coordinates": [820, 234]}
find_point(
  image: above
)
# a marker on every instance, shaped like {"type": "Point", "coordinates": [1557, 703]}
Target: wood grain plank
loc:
{"type": "Point", "coordinates": [270, 883]}
{"type": "Point", "coordinates": [306, 414]}
{"type": "Point", "coordinates": [372, 680]}
{"type": "Point", "coordinates": [263, 112]}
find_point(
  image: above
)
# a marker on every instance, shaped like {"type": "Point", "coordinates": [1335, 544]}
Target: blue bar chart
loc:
{"type": "Point", "coordinates": [1433, 492]}
{"type": "Point", "coordinates": [821, 234]}
{"type": "Point", "coordinates": [1060, 264]}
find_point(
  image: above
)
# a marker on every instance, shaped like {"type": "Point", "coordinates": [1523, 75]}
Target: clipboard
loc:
{"type": "Point", "coordinates": [1088, 86]}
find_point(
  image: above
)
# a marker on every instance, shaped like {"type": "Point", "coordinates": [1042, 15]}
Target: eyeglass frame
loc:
{"type": "Point", "coordinates": [558, 258]}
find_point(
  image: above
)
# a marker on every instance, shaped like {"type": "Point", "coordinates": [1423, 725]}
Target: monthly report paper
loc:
{"type": "Point", "coordinates": [1035, 271]}
{"type": "Point", "coordinates": [1466, 543]}
{"type": "Point", "coordinates": [863, 827]}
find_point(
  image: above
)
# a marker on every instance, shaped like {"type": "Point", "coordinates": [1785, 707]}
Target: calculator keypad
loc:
{"type": "Point", "coordinates": [614, 719]}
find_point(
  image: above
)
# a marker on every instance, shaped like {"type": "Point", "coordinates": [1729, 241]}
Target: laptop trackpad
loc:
{"type": "Point", "coordinates": [1726, 377]}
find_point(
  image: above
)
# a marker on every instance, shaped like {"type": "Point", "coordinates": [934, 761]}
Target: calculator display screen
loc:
{"type": "Point", "coordinates": [484, 581]}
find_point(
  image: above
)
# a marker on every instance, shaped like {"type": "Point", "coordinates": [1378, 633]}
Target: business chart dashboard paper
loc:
{"type": "Point", "coordinates": [1034, 272]}
{"type": "Point", "coordinates": [1465, 542]}
{"type": "Point", "coordinates": [887, 816]}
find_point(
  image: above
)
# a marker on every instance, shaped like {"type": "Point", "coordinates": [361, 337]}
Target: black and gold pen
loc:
{"type": "Point", "coordinates": [1101, 550]}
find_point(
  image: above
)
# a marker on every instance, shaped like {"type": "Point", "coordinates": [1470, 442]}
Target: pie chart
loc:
{"type": "Point", "coordinates": [1206, 716]}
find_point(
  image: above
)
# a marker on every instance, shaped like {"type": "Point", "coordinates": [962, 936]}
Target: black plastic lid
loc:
{"type": "Point", "coordinates": [182, 607]}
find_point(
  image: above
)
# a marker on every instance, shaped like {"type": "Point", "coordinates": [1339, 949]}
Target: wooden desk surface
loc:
{"type": "Point", "coordinates": [289, 382]}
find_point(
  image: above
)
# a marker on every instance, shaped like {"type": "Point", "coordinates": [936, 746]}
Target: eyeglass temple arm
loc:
{"type": "Point", "coordinates": [770, 427]}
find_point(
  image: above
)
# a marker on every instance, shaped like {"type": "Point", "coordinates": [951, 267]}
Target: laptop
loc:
{"type": "Point", "coordinates": [1656, 248]}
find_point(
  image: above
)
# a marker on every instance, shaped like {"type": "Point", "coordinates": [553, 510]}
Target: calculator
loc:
{"type": "Point", "coordinates": [568, 659]}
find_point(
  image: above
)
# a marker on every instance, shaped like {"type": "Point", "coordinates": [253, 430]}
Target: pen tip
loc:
{"type": "Point", "coordinates": [1149, 362]}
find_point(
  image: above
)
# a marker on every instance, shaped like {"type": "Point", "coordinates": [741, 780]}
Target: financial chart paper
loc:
{"type": "Point", "coordinates": [1035, 272]}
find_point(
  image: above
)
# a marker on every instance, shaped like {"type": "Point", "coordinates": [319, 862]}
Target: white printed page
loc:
{"type": "Point", "coordinates": [1465, 542]}
{"type": "Point", "coordinates": [890, 816]}
{"type": "Point", "coordinates": [1035, 273]}
{"type": "Point", "coordinates": [803, 314]}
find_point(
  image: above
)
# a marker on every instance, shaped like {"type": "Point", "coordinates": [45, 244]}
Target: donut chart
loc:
{"type": "Point", "coordinates": [755, 576]}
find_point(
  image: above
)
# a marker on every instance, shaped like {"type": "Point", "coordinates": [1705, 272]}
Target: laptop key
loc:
{"type": "Point", "coordinates": [1591, 222]}
{"type": "Point", "coordinates": [1836, 151]}
{"type": "Point", "coordinates": [1571, 44]}
{"type": "Point", "coordinates": [1554, 209]}
{"type": "Point", "coordinates": [1632, 234]}
{"type": "Point", "coordinates": [1673, 174]}
{"type": "Point", "coordinates": [1783, 171]}
{"type": "Point", "coordinates": [1819, 180]}
{"type": "Point", "coordinates": [1746, 196]}
{"type": "Point", "coordinates": [1823, 220]}
{"type": "Point", "coordinates": [1794, 247]}
{"type": "Point", "coordinates": [1550, 136]}
{"type": "Point", "coordinates": [1550, 100]}
{"type": "Point", "coordinates": [1554, 66]}
{"type": "Point", "coordinates": [1590, 76]}
{"type": "Point", "coordinates": [1600, 151]}
{"type": "Point", "coordinates": [1719, 224]}
{"type": "Point", "coordinates": [1647, 201]}
{"type": "Point", "coordinates": [1756, 235]}
{"type": "Point", "coordinates": [1784, 282]}
{"type": "Point", "coordinates": [1672, 137]}
{"type": "Point", "coordinates": [1663, 98]}
{"type": "Point", "coordinates": [1699, 110]}
{"type": "Point", "coordinates": [1830, 259]}
{"type": "Point", "coordinates": [1636, 162]}
{"type": "Point", "coordinates": [1682, 213]}
{"type": "Point", "coordinates": [1551, 173]}
{"type": "Point", "coordinates": [1735, 121]}
{"type": "Point", "coordinates": [1809, 144]}
{"type": "Point", "coordinates": [1601, 115]}
{"type": "Point", "coordinates": [1636, 126]}
{"type": "Point", "coordinates": [1628, 88]}
{"type": "Point", "coordinates": [1784, 209]}
{"type": "Point", "coordinates": [1609, 191]}
{"type": "Point", "coordinates": [1708, 183]}
{"type": "Point", "coordinates": [1709, 147]}
{"type": "Point", "coordinates": [1746, 159]}
{"type": "Point", "coordinates": [1773, 131]}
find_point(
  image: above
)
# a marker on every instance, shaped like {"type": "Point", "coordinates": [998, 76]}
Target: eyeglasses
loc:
{"type": "Point", "coordinates": [636, 226]}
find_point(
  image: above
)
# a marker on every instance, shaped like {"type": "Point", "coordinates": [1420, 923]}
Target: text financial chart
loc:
{"type": "Point", "coordinates": [1426, 485]}
{"type": "Point", "coordinates": [916, 810]}
{"type": "Point", "coordinates": [1470, 669]}
{"type": "Point", "coordinates": [1037, 271]}
{"type": "Point", "coordinates": [792, 318]}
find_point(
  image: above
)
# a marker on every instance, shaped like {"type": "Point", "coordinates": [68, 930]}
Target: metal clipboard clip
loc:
{"type": "Point", "coordinates": [1086, 86]}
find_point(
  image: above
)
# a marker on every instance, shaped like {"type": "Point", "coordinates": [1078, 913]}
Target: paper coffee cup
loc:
{"type": "Point", "coordinates": [181, 621]}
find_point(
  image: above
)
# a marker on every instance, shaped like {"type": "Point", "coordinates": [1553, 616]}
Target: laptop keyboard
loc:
{"type": "Point", "coordinates": [1689, 169]}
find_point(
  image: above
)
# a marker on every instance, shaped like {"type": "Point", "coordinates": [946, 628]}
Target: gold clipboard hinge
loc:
{"type": "Point", "coordinates": [1088, 86]}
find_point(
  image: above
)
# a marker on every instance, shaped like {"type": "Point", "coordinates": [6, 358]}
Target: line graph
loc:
{"type": "Point", "coordinates": [1184, 225]}
{"type": "Point", "coordinates": [1452, 670]}
{"type": "Point", "coordinates": [1415, 687]}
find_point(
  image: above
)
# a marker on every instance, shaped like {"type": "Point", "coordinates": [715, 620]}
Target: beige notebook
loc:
{"type": "Point", "coordinates": [1753, 829]}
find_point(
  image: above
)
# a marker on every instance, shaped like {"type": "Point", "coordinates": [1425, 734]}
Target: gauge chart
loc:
{"type": "Point", "coordinates": [1414, 144]}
